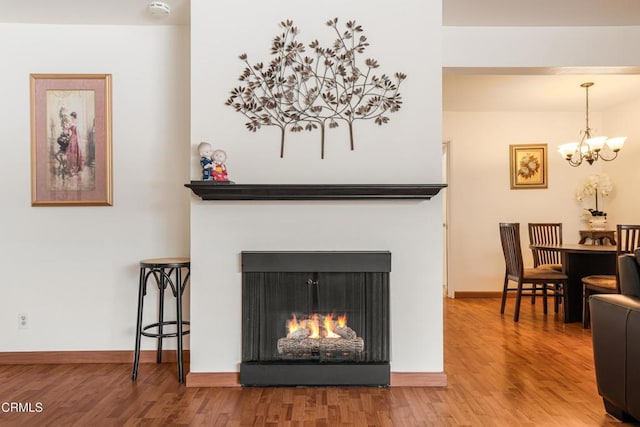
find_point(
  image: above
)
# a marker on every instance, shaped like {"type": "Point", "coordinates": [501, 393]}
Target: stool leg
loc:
{"type": "Point", "coordinates": [162, 284]}
{"type": "Point", "coordinates": [178, 284]}
{"type": "Point", "coordinates": [136, 357]}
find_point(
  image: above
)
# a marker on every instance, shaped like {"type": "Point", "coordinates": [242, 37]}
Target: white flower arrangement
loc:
{"type": "Point", "coordinates": [596, 184]}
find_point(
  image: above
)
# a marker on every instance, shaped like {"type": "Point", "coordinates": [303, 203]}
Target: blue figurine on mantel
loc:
{"type": "Point", "coordinates": [206, 161]}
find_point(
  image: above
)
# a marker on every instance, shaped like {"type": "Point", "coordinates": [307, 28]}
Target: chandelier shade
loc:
{"type": "Point", "coordinates": [591, 148]}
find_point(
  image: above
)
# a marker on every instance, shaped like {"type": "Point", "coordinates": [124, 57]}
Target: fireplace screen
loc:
{"type": "Point", "coordinates": [314, 317]}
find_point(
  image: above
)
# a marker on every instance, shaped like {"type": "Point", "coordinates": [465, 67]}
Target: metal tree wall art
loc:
{"type": "Point", "coordinates": [307, 90]}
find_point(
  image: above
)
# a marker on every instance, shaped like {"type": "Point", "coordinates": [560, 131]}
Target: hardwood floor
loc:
{"type": "Point", "coordinates": [538, 372]}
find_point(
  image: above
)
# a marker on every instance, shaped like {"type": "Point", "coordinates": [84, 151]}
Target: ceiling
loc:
{"type": "Point", "coordinates": [505, 90]}
{"type": "Point", "coordinates": [540, 12]}
{"type": "Point", "coordinates": [92, 12]}
{"type": "Point", "coordinates": [463, 89]}
{"type": "Point", "coordinates": [454, 12]}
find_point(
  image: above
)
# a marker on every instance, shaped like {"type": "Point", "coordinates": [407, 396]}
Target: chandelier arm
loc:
{"type": "Point", "coordinates": [601, 157]}
{"type": "Point", "coordinates": [583, 143]}
{"type": "Point", "coordinates": [575, 163]}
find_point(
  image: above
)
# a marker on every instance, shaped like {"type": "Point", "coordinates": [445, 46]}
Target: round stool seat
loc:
{"type": "Point", "coordinates": [165, 262]}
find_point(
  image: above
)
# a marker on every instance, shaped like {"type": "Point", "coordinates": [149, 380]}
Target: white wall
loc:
{"type": "Point", "coordinates": [480, 193]}
{"type": "Point", "coordinates": [624, 205]}
{"type": "Point", "coordinates": [480, 144]}
{"type": "Point", "coordinates": [74, 269]}
{"type": "Point", "coordinates": [407, 150]}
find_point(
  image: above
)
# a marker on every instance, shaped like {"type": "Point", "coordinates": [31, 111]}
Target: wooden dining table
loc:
{"type": "Point", "coordinates": [579, 261]}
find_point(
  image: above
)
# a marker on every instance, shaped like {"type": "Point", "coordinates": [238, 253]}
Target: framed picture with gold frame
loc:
{"type": "Point", "coordinates": [528, 166]}
{"type": "Point", "coordinates": [71, 160]}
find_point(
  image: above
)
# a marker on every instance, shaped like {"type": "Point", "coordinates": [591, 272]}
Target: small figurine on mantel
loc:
{"type": "Point", "coordinates": [219, 168]}
{"type": "Point", "coordinates": [206, 161]}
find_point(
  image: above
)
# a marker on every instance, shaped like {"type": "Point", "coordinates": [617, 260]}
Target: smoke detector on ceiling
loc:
{"type": "Point", "coordinates": [159, 8]}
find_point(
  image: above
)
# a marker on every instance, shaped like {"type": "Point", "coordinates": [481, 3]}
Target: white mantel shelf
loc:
{"type": "Point", "coordinates": [210, 190]}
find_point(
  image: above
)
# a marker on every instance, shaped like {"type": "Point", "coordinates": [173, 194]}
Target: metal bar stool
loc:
{"type": "Point", "coordinates": [162, 269]}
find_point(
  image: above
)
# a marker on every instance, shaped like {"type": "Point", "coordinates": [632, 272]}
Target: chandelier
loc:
{"type": "Point", "coordinates": [589, 148]}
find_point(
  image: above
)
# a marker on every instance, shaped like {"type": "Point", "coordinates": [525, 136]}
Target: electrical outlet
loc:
{"type": "Point", "coordinates": [23, 321]}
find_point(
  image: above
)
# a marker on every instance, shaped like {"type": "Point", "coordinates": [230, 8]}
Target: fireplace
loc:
{"type": "Point", "coordinates": [315, 318]}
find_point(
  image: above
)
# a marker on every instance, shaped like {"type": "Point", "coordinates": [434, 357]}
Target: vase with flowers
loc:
{"type": "Point", "coordinates": [598, 184]}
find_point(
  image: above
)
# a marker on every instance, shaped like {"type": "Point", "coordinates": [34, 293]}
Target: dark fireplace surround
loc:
{"type": "Point", "coordinates": [278, 285]}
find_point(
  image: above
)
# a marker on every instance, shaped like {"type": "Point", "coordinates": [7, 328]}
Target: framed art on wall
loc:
{"type": "Point", "coordinates": [528, 166]}
{"type": "Point", "coordinates": [71, 140]}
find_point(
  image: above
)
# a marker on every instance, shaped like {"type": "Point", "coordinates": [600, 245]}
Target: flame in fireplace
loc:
{"type": "Point", "coordinates": [293, 325]}
{"type": "Point", "coordinates": [317, 328]}
{"type": "Point", "coordinates": [328, 327]}
{"type": "Point", "coordinates": [314, 325]}
{"type": "Point", "coordinates": [342, 320]}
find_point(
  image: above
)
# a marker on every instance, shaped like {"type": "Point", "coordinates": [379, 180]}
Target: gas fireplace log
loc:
{"type": "Point", "coordinates": [307, 345]}
{"type": "Point", "coordinates": [345, 332]}
{"type": "Point", "coordinates": [299, 334]}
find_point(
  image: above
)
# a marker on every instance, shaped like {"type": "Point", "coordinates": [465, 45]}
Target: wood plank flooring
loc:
{"type": "Point", "coordinates": [538, 372]}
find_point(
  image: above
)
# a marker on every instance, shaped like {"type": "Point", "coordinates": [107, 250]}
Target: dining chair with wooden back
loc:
{"type": "Point", "coordinates": [628, 240]}
{"type": "Point", "coordinates": [516, 272]}
{"type": "Point", "coordinates": [548, 233]}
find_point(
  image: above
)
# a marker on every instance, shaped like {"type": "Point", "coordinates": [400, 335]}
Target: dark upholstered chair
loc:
{"type": "Point", "coordinates": [516, 272]}
{"type": "Point", "coordinates": [615, 328]}
{"type": "Point", "coordinates": [628, 240]}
